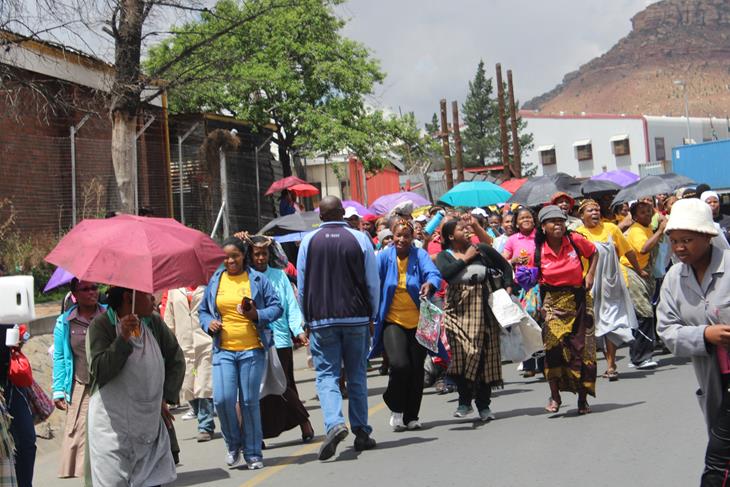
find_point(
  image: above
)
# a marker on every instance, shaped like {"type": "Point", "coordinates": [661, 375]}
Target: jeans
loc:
{"type": "Point", "coordinates": [642, 348]}
{"type": "Point", "coordinates": [405, 386]}
{"type": "Point", "coordinates": [23, 431]}
{"type": "Point", "coordinates": [203, 409]}
{"type": "Point", "coordinates": [237, 377]}
{"type": "Point", "coordinates": [330, 347]}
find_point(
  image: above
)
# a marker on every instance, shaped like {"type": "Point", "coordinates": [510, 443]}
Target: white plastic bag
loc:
{"type": "Point", "coordinates": [531, 335]}
{"type": "Point", "coordinates": [273, 382]}
{"type": "Point", "coordinates": [510, 345]}
{"type": "Point", "coordinates": [506, 311]}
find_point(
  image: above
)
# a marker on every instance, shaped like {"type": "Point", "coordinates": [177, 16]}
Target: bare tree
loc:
{"type": "Point", "coordinates": [129, 24]}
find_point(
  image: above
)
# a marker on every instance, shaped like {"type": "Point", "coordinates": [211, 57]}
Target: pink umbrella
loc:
{"type": "Point", "coordinates": [304, 190]}
{"type": "Point", "coordinates": [285, 183]}
{"type": "Point", "coordinates": [140, 253]}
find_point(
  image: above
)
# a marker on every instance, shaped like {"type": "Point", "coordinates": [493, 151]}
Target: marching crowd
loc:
{"type": "Point", "coordinates": [589, 275]}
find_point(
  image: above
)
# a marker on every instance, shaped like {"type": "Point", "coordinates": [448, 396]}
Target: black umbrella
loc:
{"type": "Point", "coordinates": [294, 223]}
{"type": "Point", "coordinates": [676, 181]}
{"type": "Point", "coordinates": [597, 186]}
{"type": "Point", "coordinates": [646, 186]}
{"type": "Point", "coordinates": [539, 190]}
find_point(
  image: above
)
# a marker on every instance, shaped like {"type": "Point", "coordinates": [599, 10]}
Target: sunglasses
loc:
{"type": "Point", "coordinates": [86, 289]}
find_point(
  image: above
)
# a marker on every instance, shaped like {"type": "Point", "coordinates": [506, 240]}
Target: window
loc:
{"type": "Point", "coordinates": [620, 145]}
{"type": "Point", "coordinates": [547, 155]}
{"type": "Point", "coordinates": [583, 150]}
{"type": "Point", "coordinates": [659, 151]}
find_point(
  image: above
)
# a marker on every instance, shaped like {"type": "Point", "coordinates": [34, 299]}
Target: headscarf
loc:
{"type": "Point", "coordinates": [586, 203]}
{"type": "Point", "coordinates": [709, 194]}
{"type": "Point", "coordinates": [562, 194]}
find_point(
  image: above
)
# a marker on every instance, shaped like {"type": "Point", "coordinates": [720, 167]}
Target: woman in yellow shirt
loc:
{"type": "Point", "coordinates": [407, 275]}
{"type": "Point", "coordinates": [238, 306]}
{"type": "Point", "coordinates": [595, 229]}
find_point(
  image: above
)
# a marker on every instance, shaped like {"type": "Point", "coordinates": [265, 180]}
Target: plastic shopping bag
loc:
{"type": "Point", "coordinates": [430, 324]}
{"type": "Point", "coordinates": [273, 381]}
{"type": "Point", "coordinates": [506, 311]}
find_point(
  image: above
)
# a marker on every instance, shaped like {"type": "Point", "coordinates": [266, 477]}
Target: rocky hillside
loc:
{"type": "Point", "coordinates": [671, 40]}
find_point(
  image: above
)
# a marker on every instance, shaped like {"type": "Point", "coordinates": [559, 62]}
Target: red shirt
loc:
{"type": "Point", "coordinates": [565, 268]}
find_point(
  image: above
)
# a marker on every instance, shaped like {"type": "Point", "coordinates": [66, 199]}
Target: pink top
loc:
{"type": "Point", "coordinates": [517, 242]}
{"type": "Point", "coordinates": [723, 359]}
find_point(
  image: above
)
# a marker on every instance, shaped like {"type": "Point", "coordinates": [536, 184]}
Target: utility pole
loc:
{"type": "Point", "coordinates": [502, 124]}
{"type": "Point", "coordinates": [445, 143]}
{"type": "Point", "coordinates": [457, 142]}
{"type": "Point", "coordinates": [516, 157]}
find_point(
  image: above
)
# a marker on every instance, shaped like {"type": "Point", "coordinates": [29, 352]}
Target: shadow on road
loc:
{"type": "Point", "coordinates": [352, 454]}
{"type": "Point", "coordinates": [199, 477]}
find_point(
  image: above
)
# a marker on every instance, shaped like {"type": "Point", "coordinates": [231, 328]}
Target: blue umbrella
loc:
{"type": "Point", "coordinates": [475, 193]}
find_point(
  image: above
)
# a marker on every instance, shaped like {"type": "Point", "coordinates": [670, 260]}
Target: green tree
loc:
{"type": "Point", "coordinates": [480, 137]}
{"type": "Point", "coordinates": [434, 126]}
{"type": "Point", "coordinates": [292, 68]}
{"type": "Point", "coordinates": [416, 147]}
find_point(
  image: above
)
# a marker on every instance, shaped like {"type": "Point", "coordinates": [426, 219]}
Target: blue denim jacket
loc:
{"type": "Point", "coordinates": [263, 295]}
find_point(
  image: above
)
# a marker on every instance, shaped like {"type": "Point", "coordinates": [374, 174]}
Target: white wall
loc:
{"type": "Point", "coordinates": [674, 131]}
{"type": "Point", "coordinates": [563, 132]}
{"type": "Point", "coordinates": [316, 174]}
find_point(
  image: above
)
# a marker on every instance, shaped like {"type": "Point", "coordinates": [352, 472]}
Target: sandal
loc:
{"type": "Point", "coordinates": [583, 407]}
{"type": "Point", "coordinates": [611, 375]}
{"type": "Point", "coordinates": [553, 406]}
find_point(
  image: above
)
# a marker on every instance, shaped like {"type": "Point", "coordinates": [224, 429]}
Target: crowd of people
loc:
{"type": "Point", "coordinates": [592, 275]}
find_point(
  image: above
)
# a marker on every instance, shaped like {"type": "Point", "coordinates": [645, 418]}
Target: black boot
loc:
{"type": "Point", "coordinates": [363, 441]}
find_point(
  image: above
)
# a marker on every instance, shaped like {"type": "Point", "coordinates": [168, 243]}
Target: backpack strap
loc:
{"type": "Point", "coordinates": [538, 252]}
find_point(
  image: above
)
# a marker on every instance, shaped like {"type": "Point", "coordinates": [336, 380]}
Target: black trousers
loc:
{"type": "Point", "coordinates": [642, 348]}
{"type": "Point", "coordinates": [405, 386]}
{"type": "Point", "coordinates": [717, 456]}
{"type": "Point", "coordinates": [479, 392]}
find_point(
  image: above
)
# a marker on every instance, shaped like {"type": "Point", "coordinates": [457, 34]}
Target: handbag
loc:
{"type": "Point", "coordinates": [273, 382]}
{"type": "Point", "coordinates": [506, 311]}
{"type": "Point", "coordinates": [40, 404]}
{"type": "Point", "coordinates": [20, 374]}
{"type": "Point", "coordinates": [430, 323]}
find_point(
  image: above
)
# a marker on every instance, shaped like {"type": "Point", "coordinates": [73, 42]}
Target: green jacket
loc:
{"type": "Point", "coordinates": [107, 353]}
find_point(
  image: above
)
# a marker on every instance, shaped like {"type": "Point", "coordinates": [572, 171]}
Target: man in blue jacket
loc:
{"type": "Point", "coordinates": [340, 292]}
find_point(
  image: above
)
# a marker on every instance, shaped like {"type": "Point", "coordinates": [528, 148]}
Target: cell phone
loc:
{"type": "Point", "coordinates": [246, 303]}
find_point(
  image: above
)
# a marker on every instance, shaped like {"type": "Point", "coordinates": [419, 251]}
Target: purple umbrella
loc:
{"type": "Point", "coordinates": [59, 278]}
{"type": "Point", "coordinates": [385, 203]}
{"type": "Point", "coordinates": [361, 210]}
{"type": "Point", "coordinates": [620, 176]}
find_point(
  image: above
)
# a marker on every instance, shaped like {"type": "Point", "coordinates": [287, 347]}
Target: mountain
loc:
{"type": "Point", "coordinates": [671, 40]}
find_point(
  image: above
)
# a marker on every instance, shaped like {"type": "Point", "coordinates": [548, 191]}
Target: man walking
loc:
{"type": "Point", "coordinates": [340, 291]}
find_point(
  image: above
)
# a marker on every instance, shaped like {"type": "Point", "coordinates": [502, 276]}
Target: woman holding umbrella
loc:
{"type": "Point", "coordinates": [568, 335]}
{"type": "Point", "coordinates": [238, 306]}
{"type": "Point", "coordinates": [136, 368]}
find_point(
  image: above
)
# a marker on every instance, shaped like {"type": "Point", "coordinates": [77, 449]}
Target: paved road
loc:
{"type": "Point", "coordinates": [645, 430]}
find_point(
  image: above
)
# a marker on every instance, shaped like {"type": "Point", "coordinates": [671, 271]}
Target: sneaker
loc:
{"type": "Point", "coordinates": [414, 425]}
{"type": "Point", "coordinates": [396, 422]}
{"type": "Point", "coordinates": [189, 415]}
{"type": "Point", "coordinates": [233, 458]}
{"type": "Point", "coordinates": [647, 364]}
{"type": "Point", "coordinates": [363, 441]}
{"type": "Point", "coordinates": [255, 464]}
{"type": "Point", "coordinates": [486, 414]}
{"type": "Point", "coordinates": [333, 438]}
{"type": "Point", "coordinates": [463, 411]}
{"type": "Point", "coordinates": [204, 436]}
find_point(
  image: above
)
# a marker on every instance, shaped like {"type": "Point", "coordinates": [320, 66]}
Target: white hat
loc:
{"type": "Point", "coordinates": [709, 194]}
{"type": "Point", "coordinates": [351, 211]}
{"type": "Point", "coordinates": [422, 218]}
{"type": "Point", "coordinates": [693, 215]}
{"type": "Point", "coordinates": [479, 212]}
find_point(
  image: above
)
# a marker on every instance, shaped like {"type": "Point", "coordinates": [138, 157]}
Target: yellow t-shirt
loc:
{"type": "Point", "coordinates": [637, 235]}
{"type": "Point", "coordinates": [403, 310]}
{"type": "Point", "coordinates": [601, 233]}
{"type": "Point", "coordinates": [238, 332]}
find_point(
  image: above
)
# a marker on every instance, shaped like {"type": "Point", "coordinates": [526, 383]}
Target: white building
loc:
{"type": "Point", "coordinates": [585, 145]}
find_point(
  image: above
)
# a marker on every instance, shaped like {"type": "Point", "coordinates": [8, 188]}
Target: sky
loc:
{"type": "Point", "coordinates": [430, 49]}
